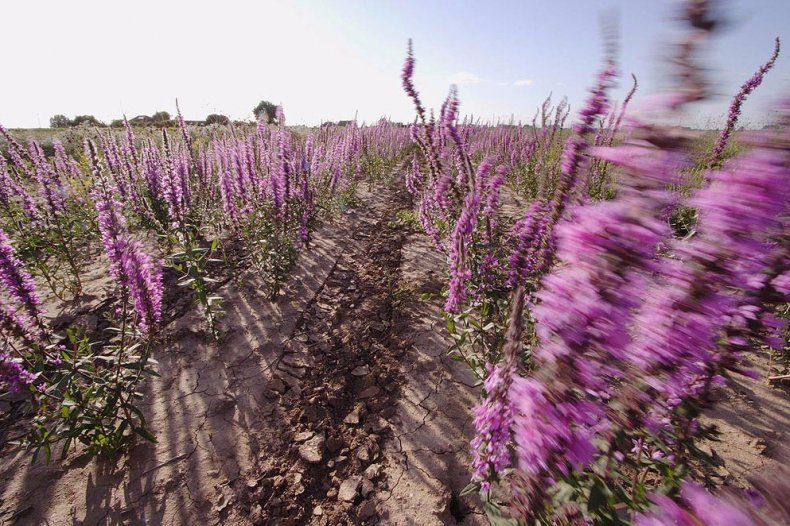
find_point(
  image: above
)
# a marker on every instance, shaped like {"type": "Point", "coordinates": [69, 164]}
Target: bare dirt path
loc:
{"type": "Point", "coordinates": [432, 425]}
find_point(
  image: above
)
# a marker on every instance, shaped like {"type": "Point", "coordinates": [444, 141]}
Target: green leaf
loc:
{"type": "Point", "coordinates": [598, 497]}
{"type": "Point", "coordinates": [66, 446]}
{"type": "Point", "coordinates": [122, 427]}
{"type": "Point", "coordinates": [475, 324]}
{"type": "Point", "coordinates": [145, 434]}
{"type": "Point", "coordinates": [134, 409]}
{"type": "Point", "coordinates": [495, 515]}
{"type": "Point", "coordinates": [472, 487]}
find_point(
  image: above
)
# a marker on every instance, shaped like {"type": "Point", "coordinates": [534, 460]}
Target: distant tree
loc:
{"type": "Point", "coordinates": [117, 123]}
{"type": "Point", "coordinates": [161, 118]}
{"type": "Point", "coordinates": [217, 119]}
{"type": "Point", "coordinates": [85, 120]}
{"type": "Point", "coordinates": [59, 121]}
{"type": "Point", "coordinates": [266, 111]}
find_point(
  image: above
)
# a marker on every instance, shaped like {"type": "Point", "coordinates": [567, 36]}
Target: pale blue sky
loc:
{"type": "Point", "coordinates": [325, 60]}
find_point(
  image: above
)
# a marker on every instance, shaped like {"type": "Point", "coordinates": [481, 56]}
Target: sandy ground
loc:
{"type": "Point", "coordinates": [753, 420]}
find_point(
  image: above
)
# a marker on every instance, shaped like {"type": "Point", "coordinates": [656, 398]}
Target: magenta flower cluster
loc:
{"type": "Point", "coordinates": [493, 420]}
{"type": "Point", "coordinates": [633, 324]}
{"type": "Point", "coordinates": [134, 270]}
{"type": "Point", "coordinates": [13, 376]}
{"type": "Point", "coordinates": [22, 313]}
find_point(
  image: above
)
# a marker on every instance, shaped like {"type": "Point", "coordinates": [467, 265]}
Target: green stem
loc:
{"type": "Point", "coordinates": [69, 258]}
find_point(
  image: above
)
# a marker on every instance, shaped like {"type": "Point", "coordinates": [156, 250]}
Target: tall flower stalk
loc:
{"type": "Point", "coordinates": [19, 286]}
{"type": "Point", "coordinates": [135, 272]}
{"type": "Point", "coordinates": [735, 106]}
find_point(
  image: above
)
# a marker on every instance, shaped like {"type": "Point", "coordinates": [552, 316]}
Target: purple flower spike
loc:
{"type": "Point", "coordinates": [18, 283]}
{"type": "Point", "coordinates": [145, 285]}
{"type": "Point", "coordinates": [134, 271]}
{"type": "Point", "coordinates": [735, 107]}
{"type": "Point", "coordinates": [14, 377]}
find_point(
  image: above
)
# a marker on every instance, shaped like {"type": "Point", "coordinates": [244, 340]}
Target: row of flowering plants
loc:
{"type": "Point", "coordinates": [192, 206]}
{"type": "Point", "coordinates": [598, 329]}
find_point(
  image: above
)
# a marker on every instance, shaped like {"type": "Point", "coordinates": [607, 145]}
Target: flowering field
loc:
{"type": "Point", "coordinates": [578, 320]}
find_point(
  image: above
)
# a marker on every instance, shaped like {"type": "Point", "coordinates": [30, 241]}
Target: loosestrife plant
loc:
{"type": "Point", "coordinates": [619, 331]}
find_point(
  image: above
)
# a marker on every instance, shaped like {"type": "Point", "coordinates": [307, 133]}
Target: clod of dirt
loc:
{"type": "Point", "coordinates": [226, 498]}
{"type": "Point", "coordinates": [278, 386]}
{"type": "Point", "coordinates": [367, 488]}
{"type": "Point", "coordinates": [333, 444]}
{"type": "Point", "coordinates": [372, 472]}
{"type": "Point", "coordinates": [376, 425]}
{"type": "Point", "coordinates": [362, 370]}
{"type": "Point", "coordinates": [369, 392]}
{"type": "Point", "coordinates": [367, 510]}
{"type": "Point", "coordinates": [348, 489]}
{"type": "Point", "coordinates": [363, 454]}
{"type": "Point", "coordinates": [256, 514]}
{"type": "Point", "coordinates": [352, 418]}
{"type": "Point", "coordinates": [312, 451]}
{"type": "Point", "coordinates": [304, 436]}
{"type": "Point", "coordinates": [312, 413]}
{"type": "Point", "coordinates": [759, 444]}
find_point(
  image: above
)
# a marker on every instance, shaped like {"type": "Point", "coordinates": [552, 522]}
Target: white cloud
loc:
{"type": "Point", "coordinates": [465, 77]}
{"type": "Point", "coordinates": [523, 82]}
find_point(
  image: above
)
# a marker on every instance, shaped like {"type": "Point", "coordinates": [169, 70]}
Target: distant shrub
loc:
{"type": "Point", "coordinates": [215, 118]}
{"type": "Point", "coordinates": [266, 111]}
{"type": "Point", "coordinates": [86, 120]}
{"type": "Point", "coordinates": [59, 121]}
{"type": "Point", "coordinates": [161, 118]}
